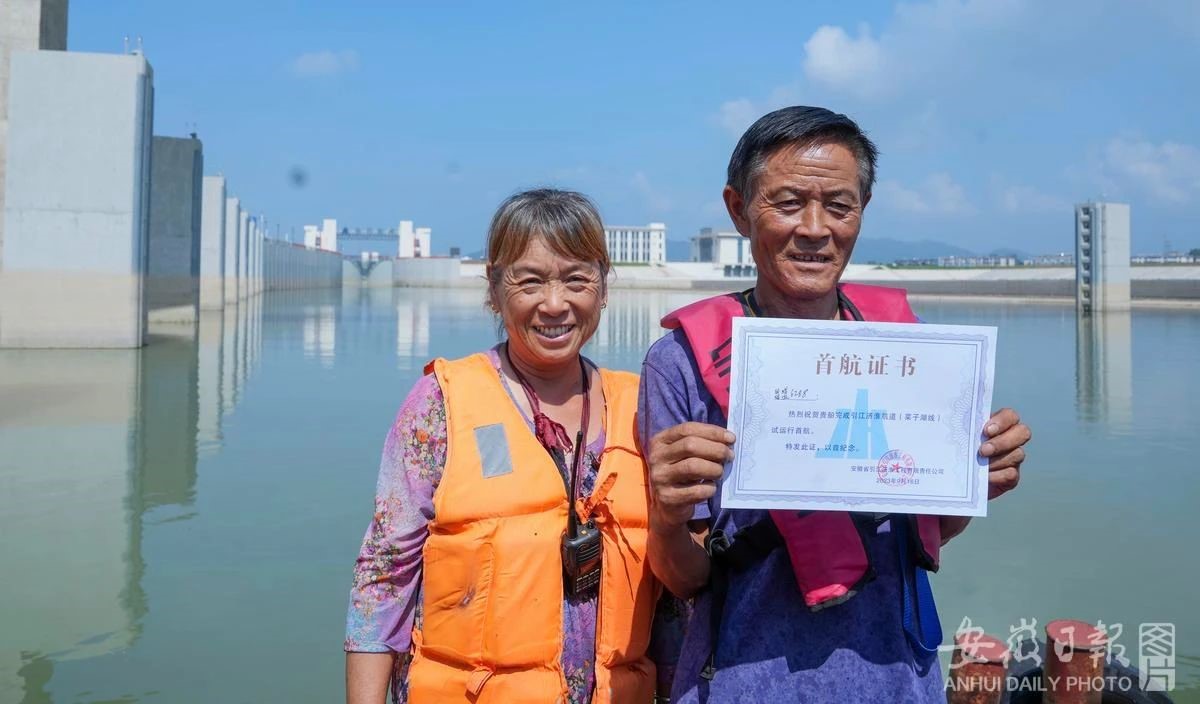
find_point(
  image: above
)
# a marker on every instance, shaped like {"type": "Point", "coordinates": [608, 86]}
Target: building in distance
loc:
{"type": "Point", "coordinates": [1167, 258]}
{"type": "Point", "coordinates": [636, 245]}
{"type": "Point", "coordinates": [414, 243]}
{"type": "Point", "coordinates": [403, 242]}
{"type": "Point", "coordinates": [990, 261]}
{"type": "Point", "coordinates": [323, 236]}
{"type": "Point", "coordinates": [719, 247]}
{"type": "Point", "coordinates": [1101, 257]}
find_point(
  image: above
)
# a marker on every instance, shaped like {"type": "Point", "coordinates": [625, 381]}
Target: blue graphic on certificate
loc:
{"type": "Point", "coordinates": [859, 416]}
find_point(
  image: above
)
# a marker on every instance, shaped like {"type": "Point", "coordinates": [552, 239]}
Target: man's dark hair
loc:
{"type": "Point", "coordinates": [798, 127]}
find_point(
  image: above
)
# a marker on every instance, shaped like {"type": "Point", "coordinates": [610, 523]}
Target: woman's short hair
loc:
{"type": "Point", "coordinates": [566, 221]}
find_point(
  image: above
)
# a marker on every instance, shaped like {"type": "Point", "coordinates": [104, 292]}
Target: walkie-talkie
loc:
{"type": "Point", "coordinates": [581, 547]}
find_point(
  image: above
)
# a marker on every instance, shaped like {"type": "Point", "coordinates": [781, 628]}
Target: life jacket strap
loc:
{"type": "Point", "coordinates": [919, 615]}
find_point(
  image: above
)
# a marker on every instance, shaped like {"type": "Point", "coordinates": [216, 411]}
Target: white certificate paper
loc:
{"type": "Point", "coordinates": [859, 416]}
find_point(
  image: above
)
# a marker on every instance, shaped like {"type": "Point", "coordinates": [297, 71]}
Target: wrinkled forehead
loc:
{"type": "Point", "coordinates": [828, 161]}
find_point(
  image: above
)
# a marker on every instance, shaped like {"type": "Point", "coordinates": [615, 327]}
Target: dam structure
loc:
{"type": "Point", "coordinates": [109, 232]}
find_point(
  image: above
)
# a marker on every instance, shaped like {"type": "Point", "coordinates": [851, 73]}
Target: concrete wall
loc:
{"type": "Point", "coordinates": [428, 272]}
{"type": "Point", "coordinates": [256, 271]}
{"type": "Point", "coordinates": [173, 275]}
{"type": "Point", "coordinates": [1112, 284]}
{"type": "Point", "coordinates": [251, 256]}
{"type": "Point", "coordinates": [233, 234]}
{"type": "Point", "coordinates": [243, 255]}
{"type": "Point", "coordinates": [212, 244]}
{"type": "Point", "coordinates": [76, 200]}
{"type": "Point", "coordinates": [25, 25]}
{"type": "Point", "coordinates": [292, 266]}
{"type": "Point", "coordinates": [1034, 288]}
{"type": "Point", "coordinates": [379, 274]}
{"type": "Point", "coordinates": [1166, 288]}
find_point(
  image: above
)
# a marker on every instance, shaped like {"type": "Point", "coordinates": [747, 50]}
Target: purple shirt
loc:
{"type": "Point", "coordinates": [772, 647]}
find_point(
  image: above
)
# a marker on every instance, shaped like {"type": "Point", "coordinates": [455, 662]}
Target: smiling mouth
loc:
{"type": "Point", "coordinates": [810, 258]}
{"type": "Point", "coordinates": [553, 331]}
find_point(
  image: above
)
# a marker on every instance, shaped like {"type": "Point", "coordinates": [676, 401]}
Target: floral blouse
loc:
{"type": "Point", "coordinates": [385, 601]}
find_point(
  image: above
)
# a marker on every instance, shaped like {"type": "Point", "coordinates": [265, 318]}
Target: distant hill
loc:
{"type": "Point", "coordinates": [1009, 252]}
{"type": "Point", "coordinates": [882, 250]}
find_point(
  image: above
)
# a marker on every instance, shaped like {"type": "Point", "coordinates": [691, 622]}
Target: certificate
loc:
{"type": "Point", "coordinates": [859, 416]}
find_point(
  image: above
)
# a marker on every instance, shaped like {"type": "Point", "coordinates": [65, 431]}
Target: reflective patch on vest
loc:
{"type": "Point", "coordinates": [493, 450]}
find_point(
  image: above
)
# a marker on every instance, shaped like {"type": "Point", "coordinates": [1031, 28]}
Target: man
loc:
{"type": "Point", "coordinates": [777, 618]}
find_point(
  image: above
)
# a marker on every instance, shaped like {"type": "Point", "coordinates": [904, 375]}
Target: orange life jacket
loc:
{"type": "Point", "coordinates": [826, 550]}
{"type": "Point", "coordinates": [493, 578]}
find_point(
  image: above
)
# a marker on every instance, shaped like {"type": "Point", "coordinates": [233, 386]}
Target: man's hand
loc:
{"type": "Point", "coordinates": [685, 461]}
{"type": "Point", "coordinates": [1005, 450]}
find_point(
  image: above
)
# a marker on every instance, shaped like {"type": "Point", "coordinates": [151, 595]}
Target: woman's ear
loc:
{"type": "Point", "coordinates": [489, 275]}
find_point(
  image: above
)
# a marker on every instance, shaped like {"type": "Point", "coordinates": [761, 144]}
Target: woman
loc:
{"type": "Point", "coordinates": [479, 580]}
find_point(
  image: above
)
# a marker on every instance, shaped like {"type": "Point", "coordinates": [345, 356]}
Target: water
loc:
{"type": "Point", "coordinates": [179, 523]}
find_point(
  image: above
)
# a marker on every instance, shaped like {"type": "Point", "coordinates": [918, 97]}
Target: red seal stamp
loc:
{"type": "Point", "coordinates": [895, 467]}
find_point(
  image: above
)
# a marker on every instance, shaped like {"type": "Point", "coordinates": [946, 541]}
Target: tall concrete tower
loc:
{"type": "Point", "coordinates": [25, 25]}
{"type": "Point", "coordinates": [1101, 257]}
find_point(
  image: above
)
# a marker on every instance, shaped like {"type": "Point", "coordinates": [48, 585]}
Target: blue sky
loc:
{"type": "Point", "coordinates": [993, 116]}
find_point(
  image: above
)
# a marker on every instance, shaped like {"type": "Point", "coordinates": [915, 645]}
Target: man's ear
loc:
{"type": "Point", "coordinates": [736, 207]}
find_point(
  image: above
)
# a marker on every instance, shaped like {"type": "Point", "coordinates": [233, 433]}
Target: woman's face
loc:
{"type": "Point", "coordinates": [550, 305]}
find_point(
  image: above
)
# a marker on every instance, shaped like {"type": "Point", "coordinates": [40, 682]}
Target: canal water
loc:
{"type": "Point", "coordinates": [178, 524]}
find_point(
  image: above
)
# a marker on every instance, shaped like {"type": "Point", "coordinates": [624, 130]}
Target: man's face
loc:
{"type": "Point", "coordinates": [802, 220]}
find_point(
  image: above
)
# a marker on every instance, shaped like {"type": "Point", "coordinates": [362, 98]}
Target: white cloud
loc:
{"type": "Point", "coordinates": [938, 194]}
{"type": "Point", "coordinates": [923, 44]}
{"type": "Point", "coordinates": [842, 62]}
{"type": "Point", "coordinates": [736, 115]}
{"type": "Point", "coordinates": [1026, 200]}
{"type": "Point", "coordinates": [325, 63]}
{"type": "Point", "coordinates": [1168, 172]}
{"type": "Point", "coordinates": [893, 195]}
{"type": "Point", "coordinates": [655, 200]}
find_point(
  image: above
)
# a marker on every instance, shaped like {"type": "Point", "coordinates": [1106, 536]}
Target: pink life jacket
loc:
{"type": "Point", "coordinates": [827, 552]}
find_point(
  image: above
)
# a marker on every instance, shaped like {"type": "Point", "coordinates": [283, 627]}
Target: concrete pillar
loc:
{"type": "Point", "coordinates": [167, 422]}
{"type": "Point", "coordinates": [233, 216]}
{"type": "Point", "coordinates": [229, 388]}
{"type": "Point", "coordinates": [243, 344]}
{"type": "Point", "coordinates": [176, 186]}
{"type": "Point", "coordinates": [69, 507]}
{"type": "Point", "coordinates": [210, 351]}
{"type": "Point", "coordinates": [212, 244]}
{"type": "Point", "coordinates": [251, 257]}
{"type": "Point", "coordinates": [1102, 236]}
{"type": "Point", "coordinates": [258, 255]}
{"type": "Point", "coordinates": [25, 25]}
{"type": "Point", "coordinates": [76, 200]}
{"type": "Point", "coordinates": [243, 254]}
